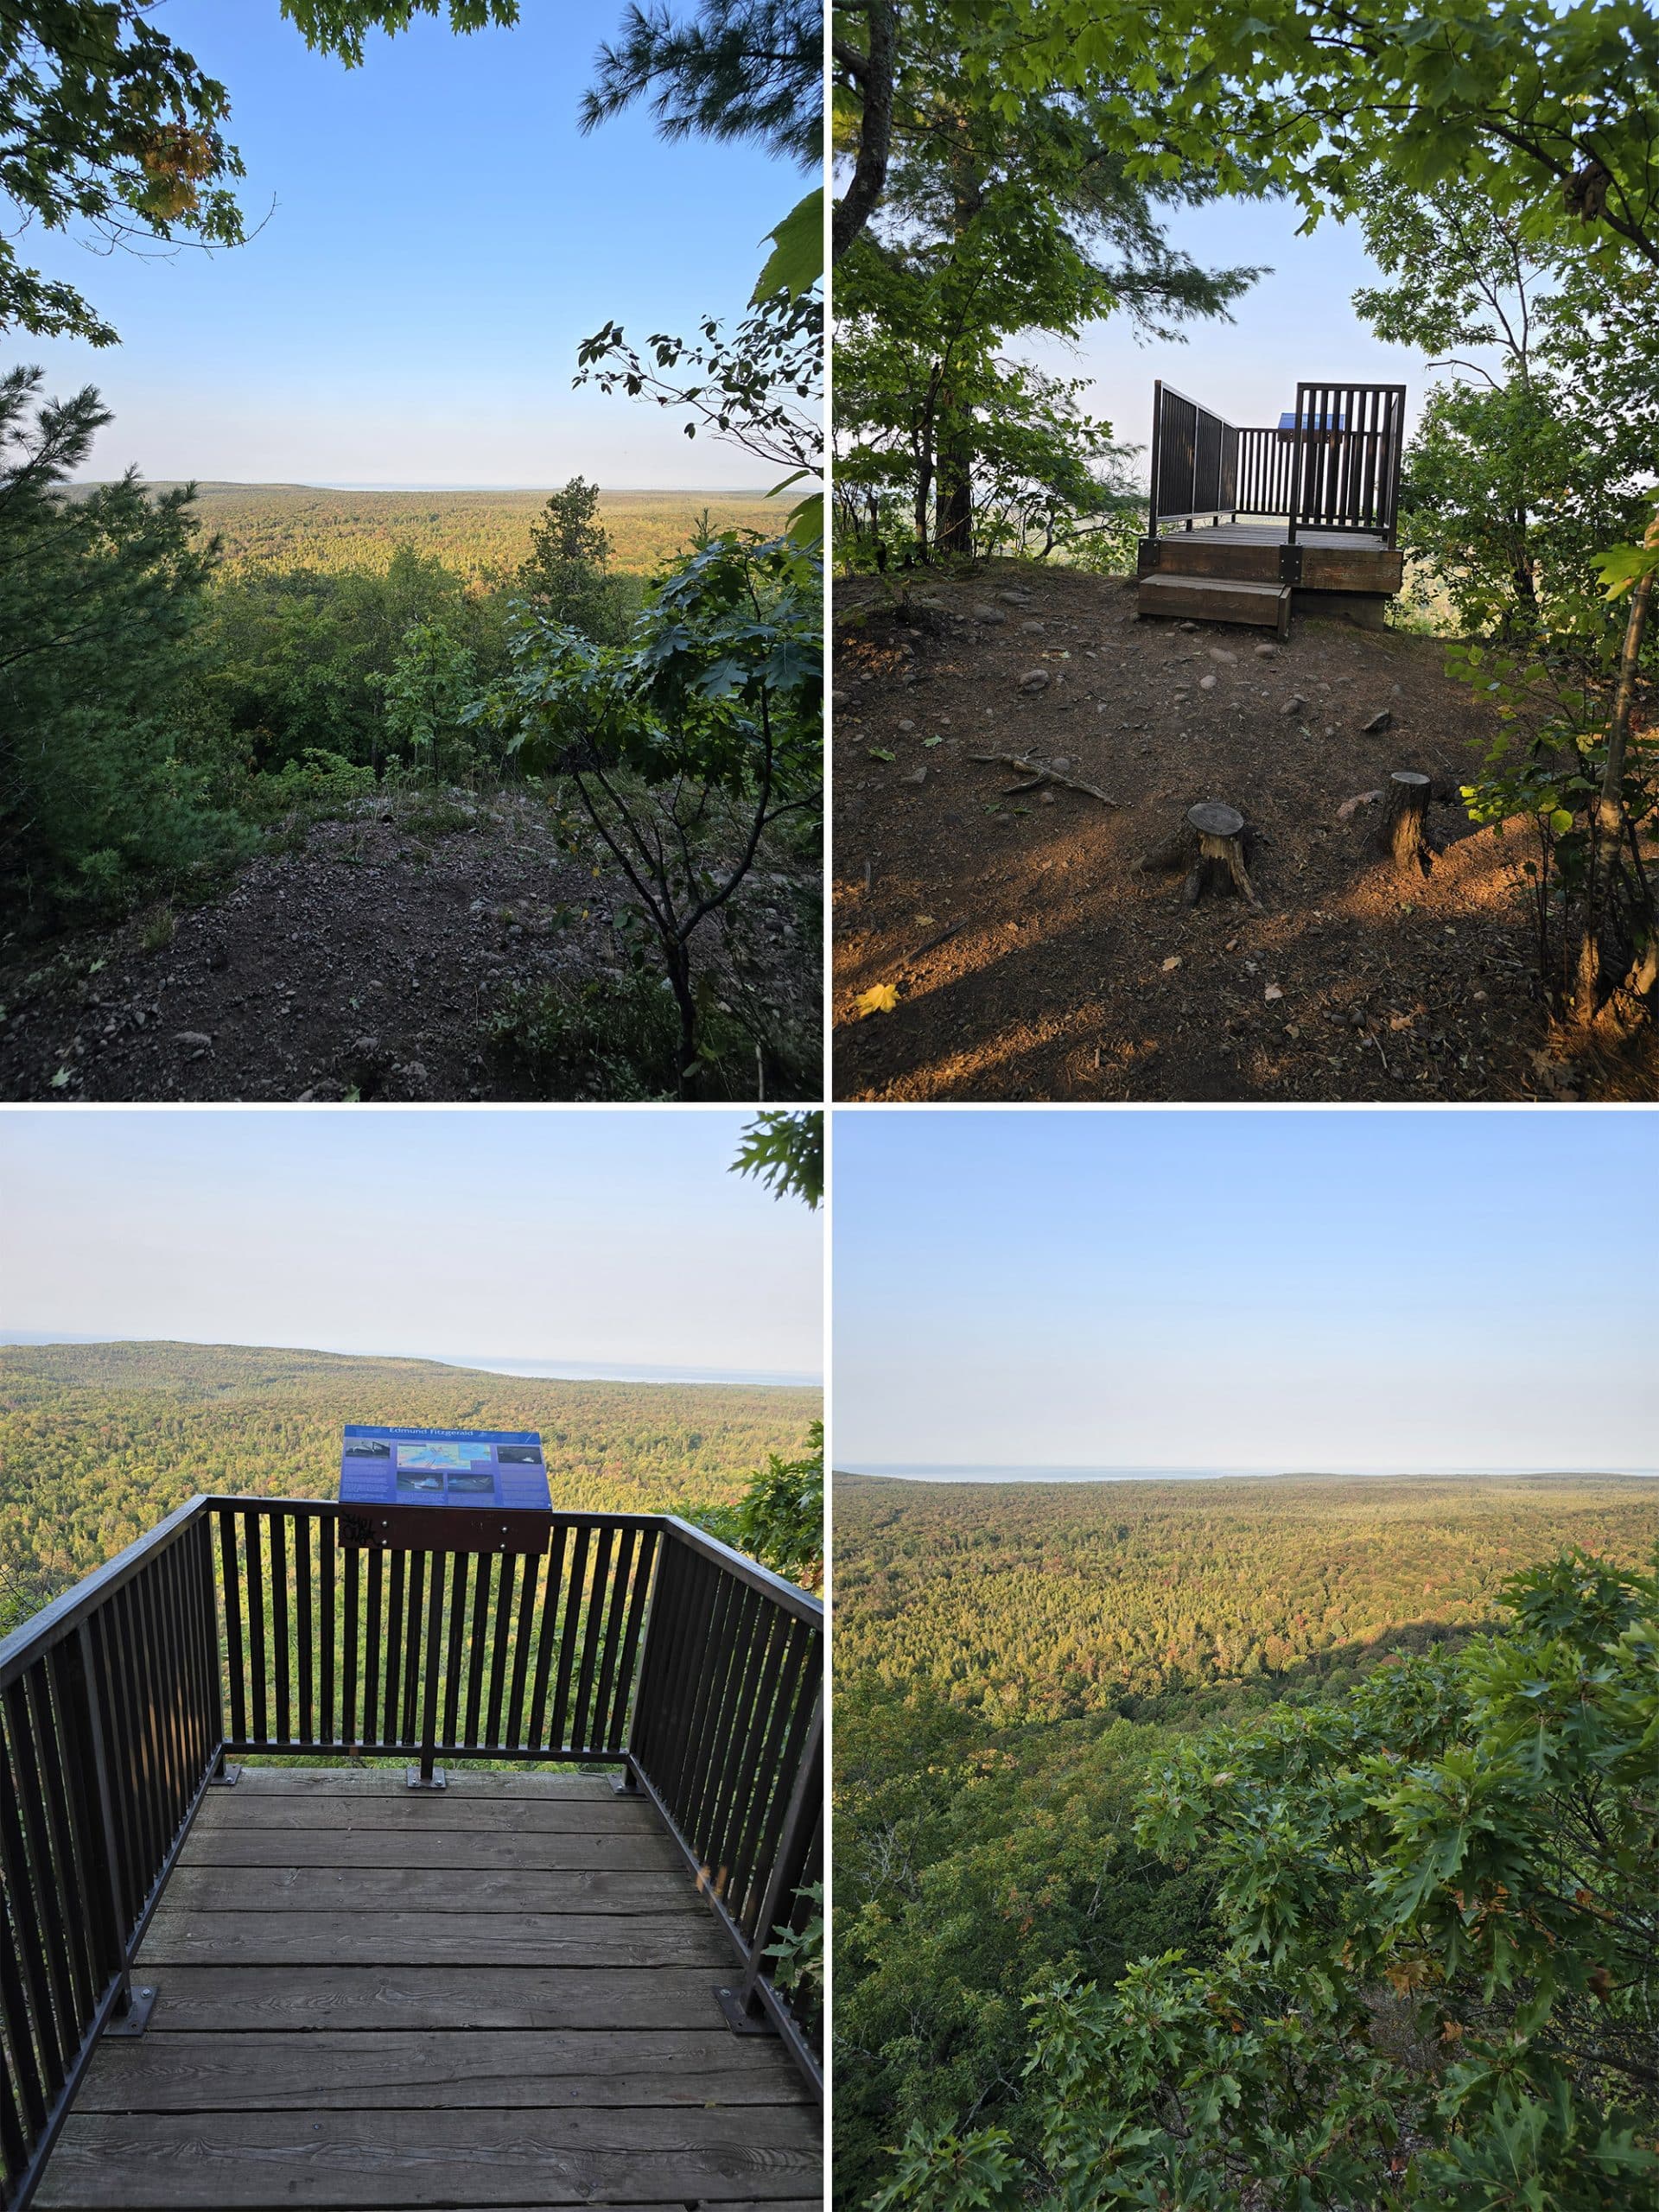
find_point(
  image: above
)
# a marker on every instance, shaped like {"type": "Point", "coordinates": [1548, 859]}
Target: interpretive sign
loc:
{"type": "Point", "coordinates": [444, 1489]}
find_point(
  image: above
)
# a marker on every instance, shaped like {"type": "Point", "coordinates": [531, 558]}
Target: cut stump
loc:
{"type": "Point", "coordinates": [1219, 866]}
{"type": "Point", "coordinates": [1401, 832]}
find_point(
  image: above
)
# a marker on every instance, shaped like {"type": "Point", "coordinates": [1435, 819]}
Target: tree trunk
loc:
{"type": "Point", "coordinates": [953, 514]}
{"type": "Point", "coordinates": [1610, 803]}
{"type": "Point", "coordinates": [1401, 830]}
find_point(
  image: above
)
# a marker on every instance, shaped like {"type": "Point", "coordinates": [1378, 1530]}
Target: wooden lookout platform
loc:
{"type": "Point", "coordinates": [1251, 524]}
{"type": "Point", "coordinates": [234, 1976]}
{"type": "Point", "coordinates": [501, 1993]}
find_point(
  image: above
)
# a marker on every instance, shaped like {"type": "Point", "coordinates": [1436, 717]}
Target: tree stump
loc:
{"type": "Point", "coordinates": [1401, 832]}
{"type": "Point", "coordinates": [1220, 864]}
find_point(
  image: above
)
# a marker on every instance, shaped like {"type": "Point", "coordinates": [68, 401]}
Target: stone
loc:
{"type": "Point", "coordinates": [1267, 653]}
{"type": "Point", "coordinates": [1379, 720]}
{"type": "Point", "coordinates": [1294, 705]}
{"type": "Point", "coordinates": [199, 1037]}
{"type": "Point", "coordinates": [992, 615]}
{"type": "Point", "coordinates": [915, 776]}
{"type": "Point", "coordinates": [907, 725]}
{"type": "Point", "coordinates": [1033, 629]}
{"type": "Point", "coordinates": [1206, 684]}
{"type": "Point", "coordinates": [1034, 679]}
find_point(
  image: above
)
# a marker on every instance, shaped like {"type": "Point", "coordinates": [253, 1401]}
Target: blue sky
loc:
{"type": "Point", "coordinates": [590, 1239]}
{"type": "Point", "coordinates": [437, 239]}
{"type": "Point", "coordinates": [1295, 323]}
{"type": "Point", "coordinates": [1345, 1290]}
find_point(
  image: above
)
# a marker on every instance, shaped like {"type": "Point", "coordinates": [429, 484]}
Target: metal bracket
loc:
{"type": "Point", "coordinates": [626, 1783]}
{"type": "Point", "coordinates": [1290, 564]}
{"type": "Point", "coordinates": [738, 2018]}
{"type": "Point", "coordinates": [136, 2018]}
{"type": "Point", "coordinates": [417, 1780]}
{"type": "Point", "coordinates": [226, 1778]}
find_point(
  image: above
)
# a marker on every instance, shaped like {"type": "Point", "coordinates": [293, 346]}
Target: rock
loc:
{"type": "Point", "coordinates": [1379, 720]}
{"type": "Point", "coordinates": [992, 615]}
{"type": "Point", "coordinates": [412, 1080]}
{"type": "Point", "coordinates": [329, 1092]}
{"type": "Point", "coordinates": [1295, 704]}
{"type": "Point", "coordinates": [199, 1037]}
{"type": "Point", "coordinates": [1221, 653]}
{"type": "Point", "coordinates": [1350, 807]}
{"type": "Point", "coordinates": [1047, 798]}
{"type": "Point", "coordinates": [1267, 653]}
{"type": "Point", "coordinates": [1034, 679]}
{"type": "Point", "coordinates": [364, 1048]}
{"type": "Point", "coordinates": [1173, 961]}
{"type": "Point", "coordinates": [1272, 993]}
{"type": "Point", "coordinates": [836, 699]}
{"type": "Point", "coordinates": [1062, 761]}
{"type": "Point", "coordinates": [915, 776]}
{"type": "Point", "coordinates": [1033, 629]}
{"type": "Point", "coordinates": [1206, 684]}
{"type": "Point", "coordinates": [1186, 625]}
{"type": "Point", "coordinates": [907, 725]}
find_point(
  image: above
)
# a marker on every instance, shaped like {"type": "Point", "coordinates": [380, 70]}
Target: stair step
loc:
{"type": "Point", "coordinates": [1216, 599]}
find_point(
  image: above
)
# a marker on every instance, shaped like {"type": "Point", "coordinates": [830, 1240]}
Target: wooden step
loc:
{"type": "Point", "coordinates": [1216, 599]}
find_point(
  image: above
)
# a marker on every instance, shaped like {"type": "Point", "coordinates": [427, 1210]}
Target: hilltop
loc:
{"type": "Point", "coordinates": [97, 1442]}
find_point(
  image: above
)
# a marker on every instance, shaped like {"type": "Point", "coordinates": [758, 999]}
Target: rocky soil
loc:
{"type": "Point", "coordinates": [370, 964]}
{"type": "Point", "coordinates": [1021, 954]}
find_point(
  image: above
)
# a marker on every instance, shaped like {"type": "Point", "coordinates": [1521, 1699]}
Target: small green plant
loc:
{"type": "Point", "coordinates": [799, 1952]}
{"type": "Point", "coordinates": [779, 1518]}
{"type": "Point", "coordinates": [158, 929]}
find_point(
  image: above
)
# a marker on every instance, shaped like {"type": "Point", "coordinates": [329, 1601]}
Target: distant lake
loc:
{"type": "Point", "coordinates": [924, 1473]}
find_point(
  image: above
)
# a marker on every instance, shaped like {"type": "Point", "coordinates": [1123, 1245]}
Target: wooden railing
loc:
{"type": "Point", "coordinates": [241, 1626]}
{"type": "Point", "coordinates": [1336, 467]}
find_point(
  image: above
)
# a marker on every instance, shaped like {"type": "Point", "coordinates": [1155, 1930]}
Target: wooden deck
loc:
{"type": "Point", "coordinates": [1325, 570]}
{"type": "Point", "coordinates": [1275, 533]}
{"type": "Point", "coordinates": [500, 1994]}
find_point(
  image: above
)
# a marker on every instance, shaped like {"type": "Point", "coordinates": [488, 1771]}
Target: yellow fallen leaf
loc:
{"type": "Point", "coordinates": [881, 998]}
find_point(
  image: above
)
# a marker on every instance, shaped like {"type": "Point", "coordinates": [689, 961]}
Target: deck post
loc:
{"type": "Point", "coordinates": [1157, 431]}
{"type": "Point", "coordinates": [91, 1780]}
{"type": "Point", "coordinates": [428, 1776]}
{"type": "Point", "coordinates": [742, 2006]}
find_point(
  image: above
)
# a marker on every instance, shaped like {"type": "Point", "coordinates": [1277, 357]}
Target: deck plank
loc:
{"type": "Point", "coordinates": [393, 1886]}
{"type": "Point", "coordinates": [438, 1813]}
{"type": "Point", "coordinates": [330, 2071]}
{"type": "Point", "coordinates": [438, 1939]}
{"type": "Point", "coordinates": [409, 1846]}
{"type": "Point", "coordinates": [231, 1999]}
{"type": "Point", "coordinates": [172, 2161]}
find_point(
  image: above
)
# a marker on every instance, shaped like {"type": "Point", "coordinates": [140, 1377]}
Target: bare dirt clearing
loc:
{"type": "Point", "coordinates": [1031, 961]}
{"type": "Point", "coordinates": [370, 963]}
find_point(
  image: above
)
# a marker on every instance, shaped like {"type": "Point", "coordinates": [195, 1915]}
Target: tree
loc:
{"type": "Point", "coordinates": [779, 1518]}
{"type": "Point", "coordinates": [98, 593]}
{"type": "Point", "coordinates": [1442, 1890]}
{"type": "Point", "coordinates": [739, 69]}
{"type": "Point", "coordinates": [994, 225]}
{"type": "Point", "coordinates": [567, 573]}
{"type": "Point", "coordinates": [785, 1152]}
{"type": "Point", "coordinates": [429, 694]}
{"type": "Point", "coordinates": [1518, 474]}
{"type": "Point", "coordinates": [107, 125]}
{"type": "Point", "coordinates": [675, 753]}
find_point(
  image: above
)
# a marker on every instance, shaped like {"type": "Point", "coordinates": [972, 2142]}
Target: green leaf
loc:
{"type": "Point", "coordinates": [796, 262]}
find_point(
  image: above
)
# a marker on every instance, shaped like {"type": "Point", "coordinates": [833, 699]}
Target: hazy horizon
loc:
{"type": "Point", "coordinates": [594, 1238]}
{"type": "Point", "coordinates": [548, 1371]}
{"type": "Point", "coordinates": [922, 1472]}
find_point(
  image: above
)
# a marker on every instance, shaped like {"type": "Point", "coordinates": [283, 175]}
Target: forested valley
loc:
{"type": "Point", "coordinates": [349, 796]}
{"type": "Point", "coordinates": [1275, 1843]}
{"type": "Point", "coordinates": [98, 1442]}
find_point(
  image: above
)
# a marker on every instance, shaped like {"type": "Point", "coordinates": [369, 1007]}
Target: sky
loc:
{"type": "Point", "coordinates": [435, 239]}
{"type": "Point", "coordinates": [1286, 1291]}
{"type": "Point", "coordinates": [1294, 324]}
{"type": "Point", "coordinates": [583, 1241]}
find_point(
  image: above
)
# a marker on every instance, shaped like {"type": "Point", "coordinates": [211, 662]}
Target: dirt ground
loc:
{"type": "Point", "coordinates": [1029, 962]}
{"type": "Point", "coordinates": [369, 964]}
